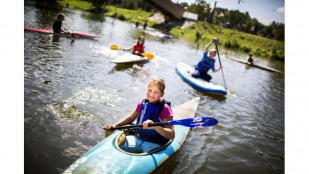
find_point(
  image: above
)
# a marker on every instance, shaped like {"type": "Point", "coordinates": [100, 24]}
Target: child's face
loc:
{"type": "Point", "coordinates": [212, 55]}
{"type": "Point", "coordinates": [153, 93]}
{"type": "Point", "coordinates": [141, 41]}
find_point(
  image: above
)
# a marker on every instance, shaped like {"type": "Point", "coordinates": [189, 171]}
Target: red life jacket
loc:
{"type": "Point", "coordinates": [138, 48]}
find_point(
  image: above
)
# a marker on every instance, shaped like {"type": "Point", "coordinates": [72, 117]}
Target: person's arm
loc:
{"type": "Point", "coordinates": [125, 120]}
{"type": "Point", "coordinates": [65, 31]}
{"type": "Point", "coordinates": [216, 70]}
{"type": "Point", "coordinates": [209, 44]}
{"type": "Point", "coordinates": [167, 131]}
{"type": "Point", "coordinates": [129, 49]}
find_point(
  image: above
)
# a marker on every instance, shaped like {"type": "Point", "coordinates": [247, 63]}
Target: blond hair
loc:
{"type": "Point", "coordinates": [158, 81]}
{"type": "Point", "coordinates": [213, 50]}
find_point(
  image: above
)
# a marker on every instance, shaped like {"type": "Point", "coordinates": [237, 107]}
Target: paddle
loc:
{"type": "Point", "coordinates": [229, 92]}
{"type": "Point", "coordinates": [69, 33]}
{"type": "Point", "coordinates": [202, 121]}
{"type": "Point", "coordinates": [148, 55]}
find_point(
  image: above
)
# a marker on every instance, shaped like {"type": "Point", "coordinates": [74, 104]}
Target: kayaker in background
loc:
{"type": "Point", "coordinates": [139, 47]}
{"type": "Point", "coordinates": [58, 23]}
{"type": "Point", "coordinates": [145, 25]}
{"type": "Point", "coordinates": [250, 60]}
{"type": "Point", "coordinates": [150, 110]}
{"type": "Point", "coordinates": [136, 24]}
{"type": "Point", "coordinates": [207, 63]}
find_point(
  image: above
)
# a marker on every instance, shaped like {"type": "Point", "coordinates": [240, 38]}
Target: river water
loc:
{"type": "Point", "coordinates": [71, 90]}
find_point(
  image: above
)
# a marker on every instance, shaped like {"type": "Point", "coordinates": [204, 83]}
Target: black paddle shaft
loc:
{"type": "Point", "coordinates": [137, 126]}
{"type": "Point", "coordinates": [218, 52]}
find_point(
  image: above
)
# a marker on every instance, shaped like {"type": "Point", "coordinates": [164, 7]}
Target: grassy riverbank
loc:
{"type": "Point", "coordinates": [230, 39]}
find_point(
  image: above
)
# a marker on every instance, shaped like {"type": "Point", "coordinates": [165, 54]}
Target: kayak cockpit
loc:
{"type": "Point", "coordinates": [120, 139]}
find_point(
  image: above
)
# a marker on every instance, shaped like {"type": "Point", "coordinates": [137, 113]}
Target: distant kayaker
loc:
{"type": "Point", "coordinates": [250, 60]}
{"type": "Point", "coordinates": [136, 24]}
{"type": "Point", "coordinates": [145, 25]}
{"type": "Point", "coordinates": [139, 47]}
{"type": "Point", "coordinates": [58, 23]}
{"type": "Point", "coordinates": [150, 110]}
{"type": "Point", "coordinates": [207, 63]}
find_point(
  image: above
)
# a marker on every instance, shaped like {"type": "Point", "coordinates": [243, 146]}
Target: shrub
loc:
{"type": "Point", "coordinates": [121, 17]}
{"type": "Point", "coordinates": [245, 49]}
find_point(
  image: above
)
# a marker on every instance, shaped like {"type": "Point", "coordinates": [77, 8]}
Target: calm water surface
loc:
{"type": "Point", "coordinates": [72, 90]}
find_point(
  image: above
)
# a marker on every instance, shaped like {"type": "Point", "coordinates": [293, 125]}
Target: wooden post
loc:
{"type": "Point", "coordinates": [212, 13]}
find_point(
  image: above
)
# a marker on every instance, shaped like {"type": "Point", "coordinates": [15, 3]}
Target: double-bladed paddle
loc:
{"type": "Point", "coordinates": [202, 121]}
{"type": "Point", "coordinates": [148, 55]}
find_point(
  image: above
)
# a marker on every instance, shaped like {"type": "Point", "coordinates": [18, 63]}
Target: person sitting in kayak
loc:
{"type": "Point", "coordinates": [150, 110]}
{"type": "Point", "coordinates": [250, 60]}
{"type": "Point", "coordinates": [207, 63]}
{"type": "Point", "coordinates": [58, 23]}
{"type": "Point", "coordinates": [138, 49]}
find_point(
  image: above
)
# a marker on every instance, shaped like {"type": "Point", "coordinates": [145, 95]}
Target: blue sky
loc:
{"type": "Point", "coordinates": [265, 11]}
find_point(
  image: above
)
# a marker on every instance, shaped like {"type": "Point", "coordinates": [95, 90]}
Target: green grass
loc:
{"type": "Point", "coordinates": [129, 15]}
{"type": "Point", "coordinates": [83, 5]}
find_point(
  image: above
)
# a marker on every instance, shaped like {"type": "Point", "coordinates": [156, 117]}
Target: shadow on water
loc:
{"type": "Point", "coordinates": [169, 165]}
{"type": "Point", "coordinates": [97, 17]}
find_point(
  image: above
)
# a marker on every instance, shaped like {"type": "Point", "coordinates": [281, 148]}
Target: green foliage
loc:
{"type": "Point", "coordinates": [237, 21]}
{"type": "Point", "coordinates": [129, 15]}
{"type": "Point", "coordinates": [233, 44]}
{"type": "Point", "coordinates": [121, 17]}
{"type": "Point", "coordinates": [83, 5]}
{"type": "Point", "coordinates": [245, 49]}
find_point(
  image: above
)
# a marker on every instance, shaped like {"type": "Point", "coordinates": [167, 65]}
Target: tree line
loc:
{"type": "Point", "coordinates": [234, 19]}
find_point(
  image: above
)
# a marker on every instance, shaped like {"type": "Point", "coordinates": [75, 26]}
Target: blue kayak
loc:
{"type": "Point", "coordinates": [185, 70]}
{"type": "Point", "coordinates": [107, 157]}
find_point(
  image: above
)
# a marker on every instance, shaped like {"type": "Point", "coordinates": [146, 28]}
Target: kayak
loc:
{"type": "Point", "coordinates": [107, 157]}
{"type": "Point", "coordinates": [129, 58]}
{"type": "Point", "coordinates": [141, 27]}
{"type": "Point", "coordinates": [185, 70]}
{"type": "Point", "coordinates": [255, 65]}
{"type": "Point", "coordinates": [73, 34]}
{"type": "Point", "coordinates": [159, 34]}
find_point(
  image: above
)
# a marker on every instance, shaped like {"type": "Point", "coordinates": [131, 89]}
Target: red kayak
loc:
{"type": "Point", "coordinates": [73, 34]}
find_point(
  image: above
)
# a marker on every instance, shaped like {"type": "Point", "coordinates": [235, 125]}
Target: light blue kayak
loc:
{"type": "Point", "coordinates": [185, 70]}
{"type": "Point", "coordinates": [107, 157]}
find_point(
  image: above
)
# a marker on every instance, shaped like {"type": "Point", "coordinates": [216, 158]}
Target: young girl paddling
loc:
{"type": "Point", "coordinates": [138, 49]}
{"type": "Point", "coordinates": [150, 110]}
{"type": "Point", "coordinates": [207, 63]}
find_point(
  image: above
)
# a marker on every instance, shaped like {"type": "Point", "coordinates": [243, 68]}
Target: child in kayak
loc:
{"type": "Point", "coordinates": [150, 110]}
{"type": "Point", "coordinates": [138, 49]}
{"type": "Point", "coordinates": [207, 63]}
{"type": "Point", "coordinates": [250, 60]}
{"type": "Point", "coordinates": [58, 23]}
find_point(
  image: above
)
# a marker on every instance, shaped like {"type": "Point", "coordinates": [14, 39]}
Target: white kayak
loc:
{"type": "Point", "coordinates": [185, 70]}
{"type": "Point", "coordinates": [129, 58]}
{"type": "Point", "coordinates": [159, 34]}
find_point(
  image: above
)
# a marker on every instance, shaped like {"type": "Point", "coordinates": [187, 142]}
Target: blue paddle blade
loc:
{"type": "Point", "coordinates": [195, 122]}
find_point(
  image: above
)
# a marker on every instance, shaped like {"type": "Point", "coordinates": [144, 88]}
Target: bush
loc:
{"type": "Point", "coordinates": [121, 17]}
{"type": "Point", "coordinates": [245, 49]}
